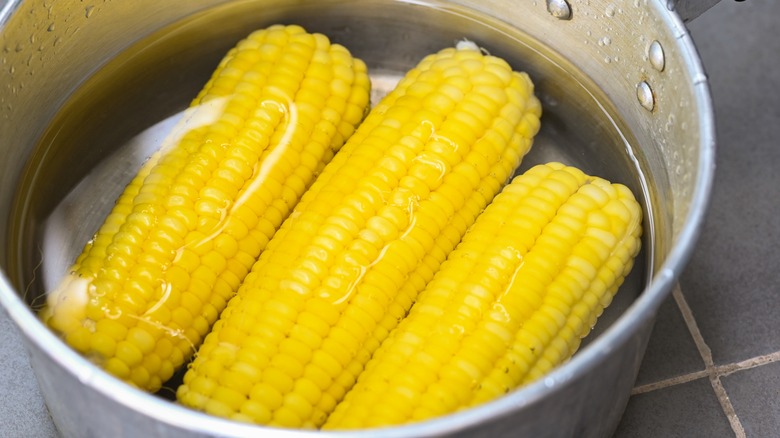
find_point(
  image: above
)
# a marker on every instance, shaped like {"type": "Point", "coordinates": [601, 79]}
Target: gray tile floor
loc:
{"type": "Point", "coordinates": [712, 368]}
{"type": "Point", "coordinates": [713, 364]}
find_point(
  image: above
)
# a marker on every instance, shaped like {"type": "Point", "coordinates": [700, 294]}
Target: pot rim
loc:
{"type": "Point", "coordinates": [639, 312]}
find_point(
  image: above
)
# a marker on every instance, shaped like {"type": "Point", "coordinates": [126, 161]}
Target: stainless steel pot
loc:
{"type": "Point", "coordinates": [624, 96]}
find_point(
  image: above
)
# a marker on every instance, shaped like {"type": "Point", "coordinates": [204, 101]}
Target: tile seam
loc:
{"type": "Point", "coordinates": [672, 381]}
{"type": "Point", "coordinates": [753, 362]}
{"type": "Point", "coordinates": [709, 364]}
{"type": "Point", "coordinates": [717, 370]}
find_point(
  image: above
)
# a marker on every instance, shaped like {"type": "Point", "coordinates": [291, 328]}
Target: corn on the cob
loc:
{"type": "Point", "coordinates": [365, 239]}
{"type": "Point", "coordinates": [510, 303]}
{"type": "Point", "coordinates": [188, 228]}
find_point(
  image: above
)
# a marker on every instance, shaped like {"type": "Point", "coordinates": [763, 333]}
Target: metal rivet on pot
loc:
{"type": "Point", "coordinates": [645, 95]}
{"type": "Point", "coordinates": [559, 9]}
{"type": "Point", "coordinates": [656, 55]}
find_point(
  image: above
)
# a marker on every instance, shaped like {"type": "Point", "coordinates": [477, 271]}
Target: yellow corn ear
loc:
{"type": "Point", "coordinates": [181, 238]}
{"type": "Point", "coordinates": [511, 302]}
{"type": "Point", "coordinates": [365, 239]}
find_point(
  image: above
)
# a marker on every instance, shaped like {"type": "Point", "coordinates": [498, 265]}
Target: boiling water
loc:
{"type": "Point", "coordinates": [121, 114]}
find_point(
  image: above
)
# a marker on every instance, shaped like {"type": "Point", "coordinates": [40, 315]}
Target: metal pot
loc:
{"type": "Point", "coordinates": [84, 86]}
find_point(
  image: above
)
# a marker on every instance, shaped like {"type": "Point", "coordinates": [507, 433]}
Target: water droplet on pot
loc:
{"type": "Point", "coordinates": [645, 96]}
{"type": "Point", "coordinates": [559, 9]}
{"type": "Point", "coordinates": [610, 11]}
{"type": "Point", "coordinates": [655, 54]}
{"type": "Point", "coordinates": [670, 123]}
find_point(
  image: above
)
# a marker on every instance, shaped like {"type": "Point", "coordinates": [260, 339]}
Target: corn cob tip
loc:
{"type": "Point", "coordinates": [467, 44]}
{"type": "Point", "coordinates": [66, 304]}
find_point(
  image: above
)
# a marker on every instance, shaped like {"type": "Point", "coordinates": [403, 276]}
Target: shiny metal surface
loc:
{"type": "Point", "coordinates": [51, 47]}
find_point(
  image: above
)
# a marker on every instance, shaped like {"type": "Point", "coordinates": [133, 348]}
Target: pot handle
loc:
{"type": "Point", "coordinates": [690, 9]}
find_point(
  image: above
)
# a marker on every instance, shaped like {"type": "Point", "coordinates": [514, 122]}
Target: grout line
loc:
{"type": "Point", "coordinates": [690, 322]}
{"type": "Point", "coordinates": [727, 407]}
{"type": "Point", "coordinates": [725, 370]}
{"type": "Point", "coordinates": [709, 364]}
{"type": "Point", "coordinates": [718, 370]}
{"type": "Point", "coordinates": [685, 378]}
